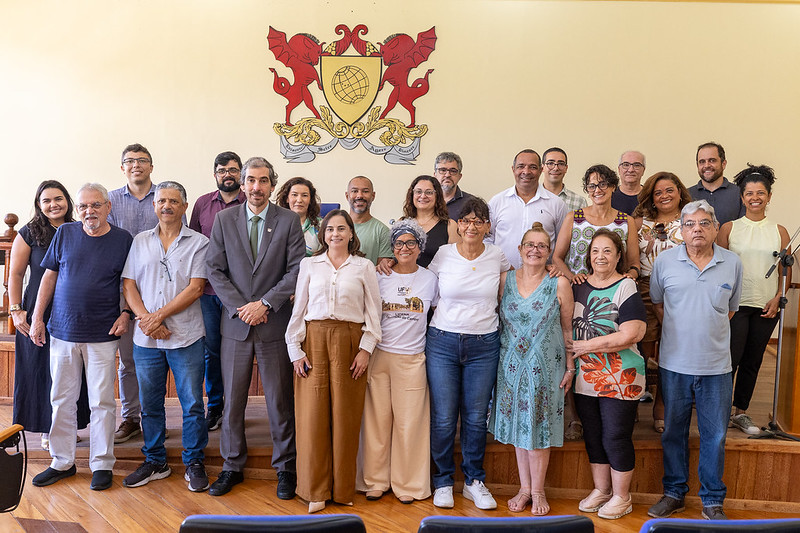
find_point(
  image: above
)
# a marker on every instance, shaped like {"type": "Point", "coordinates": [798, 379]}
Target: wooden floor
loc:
{"type": "Point", "coordinates": [161, 505]}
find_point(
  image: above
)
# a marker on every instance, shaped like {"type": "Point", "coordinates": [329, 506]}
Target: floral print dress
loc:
{"type": "Point", "coordinates": [528, 410]}
{"type": "Point", "coordinates": [600, 311]}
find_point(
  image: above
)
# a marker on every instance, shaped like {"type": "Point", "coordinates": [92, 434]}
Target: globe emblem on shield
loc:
{"type": "Point", "coordinates": [350, 84]}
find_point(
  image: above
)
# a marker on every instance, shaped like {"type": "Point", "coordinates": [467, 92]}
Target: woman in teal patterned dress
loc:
{"type": "Point", "coordinates": [533, 373]}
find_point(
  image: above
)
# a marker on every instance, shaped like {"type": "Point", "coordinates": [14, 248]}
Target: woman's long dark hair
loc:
{"type": "Point", "coordinates": [39, 225]}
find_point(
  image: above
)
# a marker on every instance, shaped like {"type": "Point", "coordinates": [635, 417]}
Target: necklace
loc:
{"type": "Point", "coordinates": [424, 224]}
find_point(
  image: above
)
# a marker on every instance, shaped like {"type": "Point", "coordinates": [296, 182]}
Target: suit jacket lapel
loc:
{"type": "Point", "coordinates": [270, 222]}
{"type": "Point", "coordinates": [241, 229]}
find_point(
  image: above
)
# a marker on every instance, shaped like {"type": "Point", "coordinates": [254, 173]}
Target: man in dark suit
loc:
{"type": "Point", "coordinates": [253, 261]}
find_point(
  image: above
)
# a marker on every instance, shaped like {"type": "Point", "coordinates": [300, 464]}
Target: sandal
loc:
{"type": "Point", "coordinates": [539, 505]}
{"type": "Point", "coordinates": [574, 430]}
{"type": "Point", "coordinates": [518, 503]}
{"type": "Point", "coordinates": [658, 425]}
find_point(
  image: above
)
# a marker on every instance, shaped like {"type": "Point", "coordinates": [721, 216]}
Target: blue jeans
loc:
{"type": "Point", "coordinates": [712, 398]}
{"type": "Point", "coordinates": [212, 314]}
{"type": "Point", "coordinates": [186, 364]}
{"type": "Point", "coordinates": [462, 370]}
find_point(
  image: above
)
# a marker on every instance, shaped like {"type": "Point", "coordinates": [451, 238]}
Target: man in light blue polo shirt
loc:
{"type": "Point", "coordinates": [695, 288]}
{"type": "Point", "coordinates": [162, 281]}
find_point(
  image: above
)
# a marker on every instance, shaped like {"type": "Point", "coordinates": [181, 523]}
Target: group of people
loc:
{"type": "Point", "coordinates": [554, 315]}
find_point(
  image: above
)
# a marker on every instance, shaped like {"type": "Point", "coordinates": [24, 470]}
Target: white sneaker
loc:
{"type": "Point", "coordinates": [478, 493]}
{"type": "Point", "coordinates": [745, 423]}
{"type": "Point", "coordinates": [443, 497]}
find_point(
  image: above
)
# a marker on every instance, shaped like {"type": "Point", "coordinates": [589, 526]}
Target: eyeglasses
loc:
{"type": "Point", "coordinates": [233, 171]}
{"type": "Point", "coordinates": [93, 205]}
{"type": "Point", "coordinates": [661, 231]}
{"type": "Point", "coordinates": [626, 165]}
{"type": "Point", "coordinates": [132, 160]}
{"type": "Point", "coordinates": [442, 170]}
{"type": "Point", "coordinates": [478, 223]}
{"type": "Point", "coordinates": [602, 185]}
{"type": "Point", "coordinates": [429, 193]}
{"type": "Point", "coordinates": [705, 223]}
{"type": "Point", "coordinates": [552, 164]}
{"type": "Point", "coordinates": [411, 245]}
{"type": "Point", "coordinates": [542, 247]}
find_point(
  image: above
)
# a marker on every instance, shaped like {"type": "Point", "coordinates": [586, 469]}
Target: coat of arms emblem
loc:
{"type": "Point", "coordinates": [351, 73]}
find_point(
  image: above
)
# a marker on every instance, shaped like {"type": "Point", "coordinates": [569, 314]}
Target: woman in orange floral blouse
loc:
{"type": "Point", "coordinates": [608, 321]}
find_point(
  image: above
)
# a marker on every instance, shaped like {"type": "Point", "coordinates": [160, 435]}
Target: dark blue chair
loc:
{"type": "Point", "coordinates": [331, 523]}
{"type": "Point", "coordinates": [532, 524]}
{"type": "Point", "coordinates": [674, 525]}
{"type": "Point", "coordinates": [13, 465]}
{"type": "Point", "coordinates": [325, 208]}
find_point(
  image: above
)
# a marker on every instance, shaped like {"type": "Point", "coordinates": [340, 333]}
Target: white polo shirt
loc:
{"type": "Point", "coordinates": [511, 217]}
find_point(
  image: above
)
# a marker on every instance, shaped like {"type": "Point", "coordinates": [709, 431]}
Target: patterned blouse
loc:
{"type": "Point", "coordinates": [582, 233]}
{"type": "Point", "coordinates": [600, 311]}
{"type": "Point", "coordinates": [654, 239]}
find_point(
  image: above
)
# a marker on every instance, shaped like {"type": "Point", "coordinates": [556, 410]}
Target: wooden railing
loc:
{"type": "Point", "coordinates": [6, 240]}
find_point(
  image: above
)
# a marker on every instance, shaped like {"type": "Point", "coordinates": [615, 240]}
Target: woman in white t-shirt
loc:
{"type": "Point", "coordinates": [463, 348]}
{"type": "Point", "coordinates": [395, 434]}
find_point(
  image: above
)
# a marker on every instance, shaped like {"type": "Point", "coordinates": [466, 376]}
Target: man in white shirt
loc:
{"type": "Point", "coordinates": [513, 211]}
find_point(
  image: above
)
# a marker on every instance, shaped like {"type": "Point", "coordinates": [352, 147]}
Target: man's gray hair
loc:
{"type": "Point", "coordinates": [644, 159]}
{"type": "Point", "coordinates": [411, 226]}
{"type": "Point", "coordinates": [448, 156]}
{"type": "Point", "coordinates": [698, 205]}
{"type": "Point", "coordinates": [94, 187]}
{"type": "Point", "coordinates": [173, 185]}
{"type": "Point", "coordinates": [259, 162]}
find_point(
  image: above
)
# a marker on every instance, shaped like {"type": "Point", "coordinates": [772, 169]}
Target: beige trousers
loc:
{"type": "Point", "coordinates": [395, 434]}
{"type": "Point", "coordinates": [328, 407]}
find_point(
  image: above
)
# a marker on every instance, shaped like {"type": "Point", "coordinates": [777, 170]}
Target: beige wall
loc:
{"type": "Point", "coordinates": [189, 79]}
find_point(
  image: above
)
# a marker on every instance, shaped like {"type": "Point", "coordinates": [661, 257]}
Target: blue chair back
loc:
{"type": "Point", "coordinates": [532, 524]}
{"type": "Point", "coordinates": [672, 525]}
{"type": "Point", "coordinates": [331, 523]}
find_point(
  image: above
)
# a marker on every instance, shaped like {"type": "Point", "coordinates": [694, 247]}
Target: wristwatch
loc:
{"type": "Point", "coordinates": [131, 313]}
{"type": "Point", "coordinates": [15, 307]}
{"type": "Point", "coordinates": [266, 303]}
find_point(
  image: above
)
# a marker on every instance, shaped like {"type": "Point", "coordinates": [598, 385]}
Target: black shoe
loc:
{"type": "Point", "coordinates": [101, 480]}
{"type": "Point", "coordinates": [51, 475]}
{"type": "Point", "coordinates": [214, 419]}
{"type": "Point", "coordinates": [225, 482]}
{"type": "Point", "coordinates": [196, 476]}
{"type": "Point", "coordinates": [287, 483]}
{"type": "Point", "coordinates": [665, 507]}
{"type": "Point", "coordinates": [714, 512]}
{"type": "Point", "coordinates": [147, 472]}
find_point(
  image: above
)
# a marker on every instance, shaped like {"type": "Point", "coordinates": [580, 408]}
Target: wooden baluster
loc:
{"type": "Point", "coordinates": [6, 240]}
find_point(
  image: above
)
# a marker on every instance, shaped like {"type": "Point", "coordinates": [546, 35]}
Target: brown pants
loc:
{"type": "Point", "coordinates": [328, 407]}
{"type": "Point", "coordinates": [395, 436]}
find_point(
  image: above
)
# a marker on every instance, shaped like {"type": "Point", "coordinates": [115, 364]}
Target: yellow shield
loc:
{"type": "Point", "coordinates": [350, 84]}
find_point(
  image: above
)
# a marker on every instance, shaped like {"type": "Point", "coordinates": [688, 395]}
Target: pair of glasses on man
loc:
{"type": "Point", "coordinates": [93, 205]}
{"type": "Point", "coordinates": [130, 161]}
{"type": "Point", "coordinates": [705, 224]}
{"type": "Point", "coordinates": [626, 165]}
{"type": "Point", "coordinates": [225, 171]}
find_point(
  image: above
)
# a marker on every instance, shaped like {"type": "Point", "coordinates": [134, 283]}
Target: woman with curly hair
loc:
{"type": "Point", "coordinates": [658, 222]}
{"type": "Point", "coordinates": [753, 238]}
{"type": "Point", "coordinates": [299, 195]}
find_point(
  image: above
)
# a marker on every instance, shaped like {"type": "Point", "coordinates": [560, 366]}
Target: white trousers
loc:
{"type": "Point", "coordinates": [67, 362]}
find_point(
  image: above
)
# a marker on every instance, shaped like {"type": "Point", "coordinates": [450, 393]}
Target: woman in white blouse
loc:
{"type": "Point", "coordinates": [334, 328]}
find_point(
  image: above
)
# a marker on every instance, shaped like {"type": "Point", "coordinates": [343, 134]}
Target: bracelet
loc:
{"type": "Point", "coordinates": [571, 370]}
{"type": "Point", "coordinates": [15, 307]}
{"type": "Point", "coordinates": [638, 272]}
{"type": "Point", "coordinates": [131, 313]}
